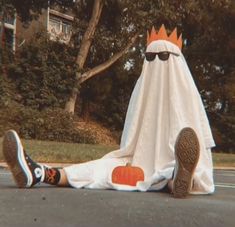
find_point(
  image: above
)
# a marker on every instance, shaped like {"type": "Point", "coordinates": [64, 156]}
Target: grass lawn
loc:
{"type": "Point", "coordinates": [224, 160]}
{"type": "Point", "coordinates": [47, 151]}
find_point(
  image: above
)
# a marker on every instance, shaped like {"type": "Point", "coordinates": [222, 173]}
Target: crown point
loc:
{"type": "Point", "coordinates": [173, 37]}
{"type": "Point", "coordinates": [162, 33]}
{"type": "Point", "coordinates": [162, 27]}
{"type": "Point", "coordinates": [152, 36]}
{"type": "Point", "coordinates": [153, 31]}
{"type": "Point", "coordinates": [148, 37]}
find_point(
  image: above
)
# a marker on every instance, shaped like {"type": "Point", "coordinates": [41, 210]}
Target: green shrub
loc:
{"type": "Point", "coordinates": [44, 72]}
{"type": "Point", "coordinates": [50, 124]}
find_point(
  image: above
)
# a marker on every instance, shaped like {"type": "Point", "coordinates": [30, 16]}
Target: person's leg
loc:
{"type": "Point", "coordinates": [63, 179]}
{"type": "Point", "coordinates": [25, 171]}
{"type": "Point", "coordinates": [187, 151]}
{"type": "Point", "coordinates": [55, 176]}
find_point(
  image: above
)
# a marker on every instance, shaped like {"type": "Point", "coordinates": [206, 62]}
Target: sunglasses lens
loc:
{"type": "Point", "coordinates": [150, 56]}
{"type": "Point", "coordinates": [163, 56]}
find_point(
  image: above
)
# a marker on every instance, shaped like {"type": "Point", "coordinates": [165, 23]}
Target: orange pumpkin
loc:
{"type": "Point", "coordinates": [128, 175]}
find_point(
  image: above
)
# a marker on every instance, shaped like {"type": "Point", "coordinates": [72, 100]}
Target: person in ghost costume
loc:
{"type": "Point", "coordinates": [166, 140]}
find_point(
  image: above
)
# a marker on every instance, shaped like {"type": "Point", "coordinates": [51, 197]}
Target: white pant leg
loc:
{"type": "Point", "coordinates": [92, 174]}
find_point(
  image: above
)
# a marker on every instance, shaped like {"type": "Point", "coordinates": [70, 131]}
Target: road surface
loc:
{"type": "Point", "coordinates": [46, 206]}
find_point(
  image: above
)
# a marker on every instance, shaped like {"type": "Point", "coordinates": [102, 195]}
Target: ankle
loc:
{"type": "Point", "coordinates": [63, 179]}
{"type": "Point", "coordinates": [51, 175]}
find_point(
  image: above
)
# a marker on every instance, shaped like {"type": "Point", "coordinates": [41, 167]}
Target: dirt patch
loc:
{"type": "Point", "coordinates": [103, 134]}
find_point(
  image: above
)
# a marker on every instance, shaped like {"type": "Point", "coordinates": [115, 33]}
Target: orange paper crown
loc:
{"type": "Point", "coordinates": [162, 35]}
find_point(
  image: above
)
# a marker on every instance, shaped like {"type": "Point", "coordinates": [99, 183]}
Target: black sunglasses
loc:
{"type": "Point", "coordinates": [164, 55]}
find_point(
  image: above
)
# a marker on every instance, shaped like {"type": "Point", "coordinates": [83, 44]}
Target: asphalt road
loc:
{"type": "Point", "coordinates": [46, 206]}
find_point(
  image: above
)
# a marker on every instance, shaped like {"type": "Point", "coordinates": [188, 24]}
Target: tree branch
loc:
{"type": "Point", "coordinates": [85, 76]}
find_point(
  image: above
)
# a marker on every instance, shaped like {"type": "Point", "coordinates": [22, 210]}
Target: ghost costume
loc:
{"type": "Point", "coordinates": [163, 102]}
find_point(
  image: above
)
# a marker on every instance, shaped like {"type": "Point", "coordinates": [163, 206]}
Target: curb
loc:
{"type": "Point", "coordinates": [4, 165]}
{"type": "Point", "coordinates": [224, 168]}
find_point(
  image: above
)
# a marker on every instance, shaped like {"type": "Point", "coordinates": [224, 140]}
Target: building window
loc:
{"type": "Point", "coordinates": [8, 36]}
{"type": "Point", "coordinates": [59, 28]}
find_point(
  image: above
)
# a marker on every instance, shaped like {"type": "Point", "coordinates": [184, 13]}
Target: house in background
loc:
{"type": "Point", "coordinates": [58, 24]}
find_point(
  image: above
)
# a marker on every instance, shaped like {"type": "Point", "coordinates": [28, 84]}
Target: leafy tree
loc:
{"type": "Point", "coordinates": [211, 37]}
{"type": "Point", "coordinates": [96, 10]}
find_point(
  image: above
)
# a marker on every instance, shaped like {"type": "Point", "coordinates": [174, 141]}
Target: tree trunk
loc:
{"type": "Point", "coordinates": [84, 50]}
{"type": "Point", "coordinates": [70, 104]}
{"type": "Point", "coordinates": [89, 34]}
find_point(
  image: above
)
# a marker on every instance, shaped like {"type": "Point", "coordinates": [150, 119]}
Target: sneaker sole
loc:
{"type": "Point", "coordinates": [187, 152]}
{"type": "Point", "coordinates": [14, 156]}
